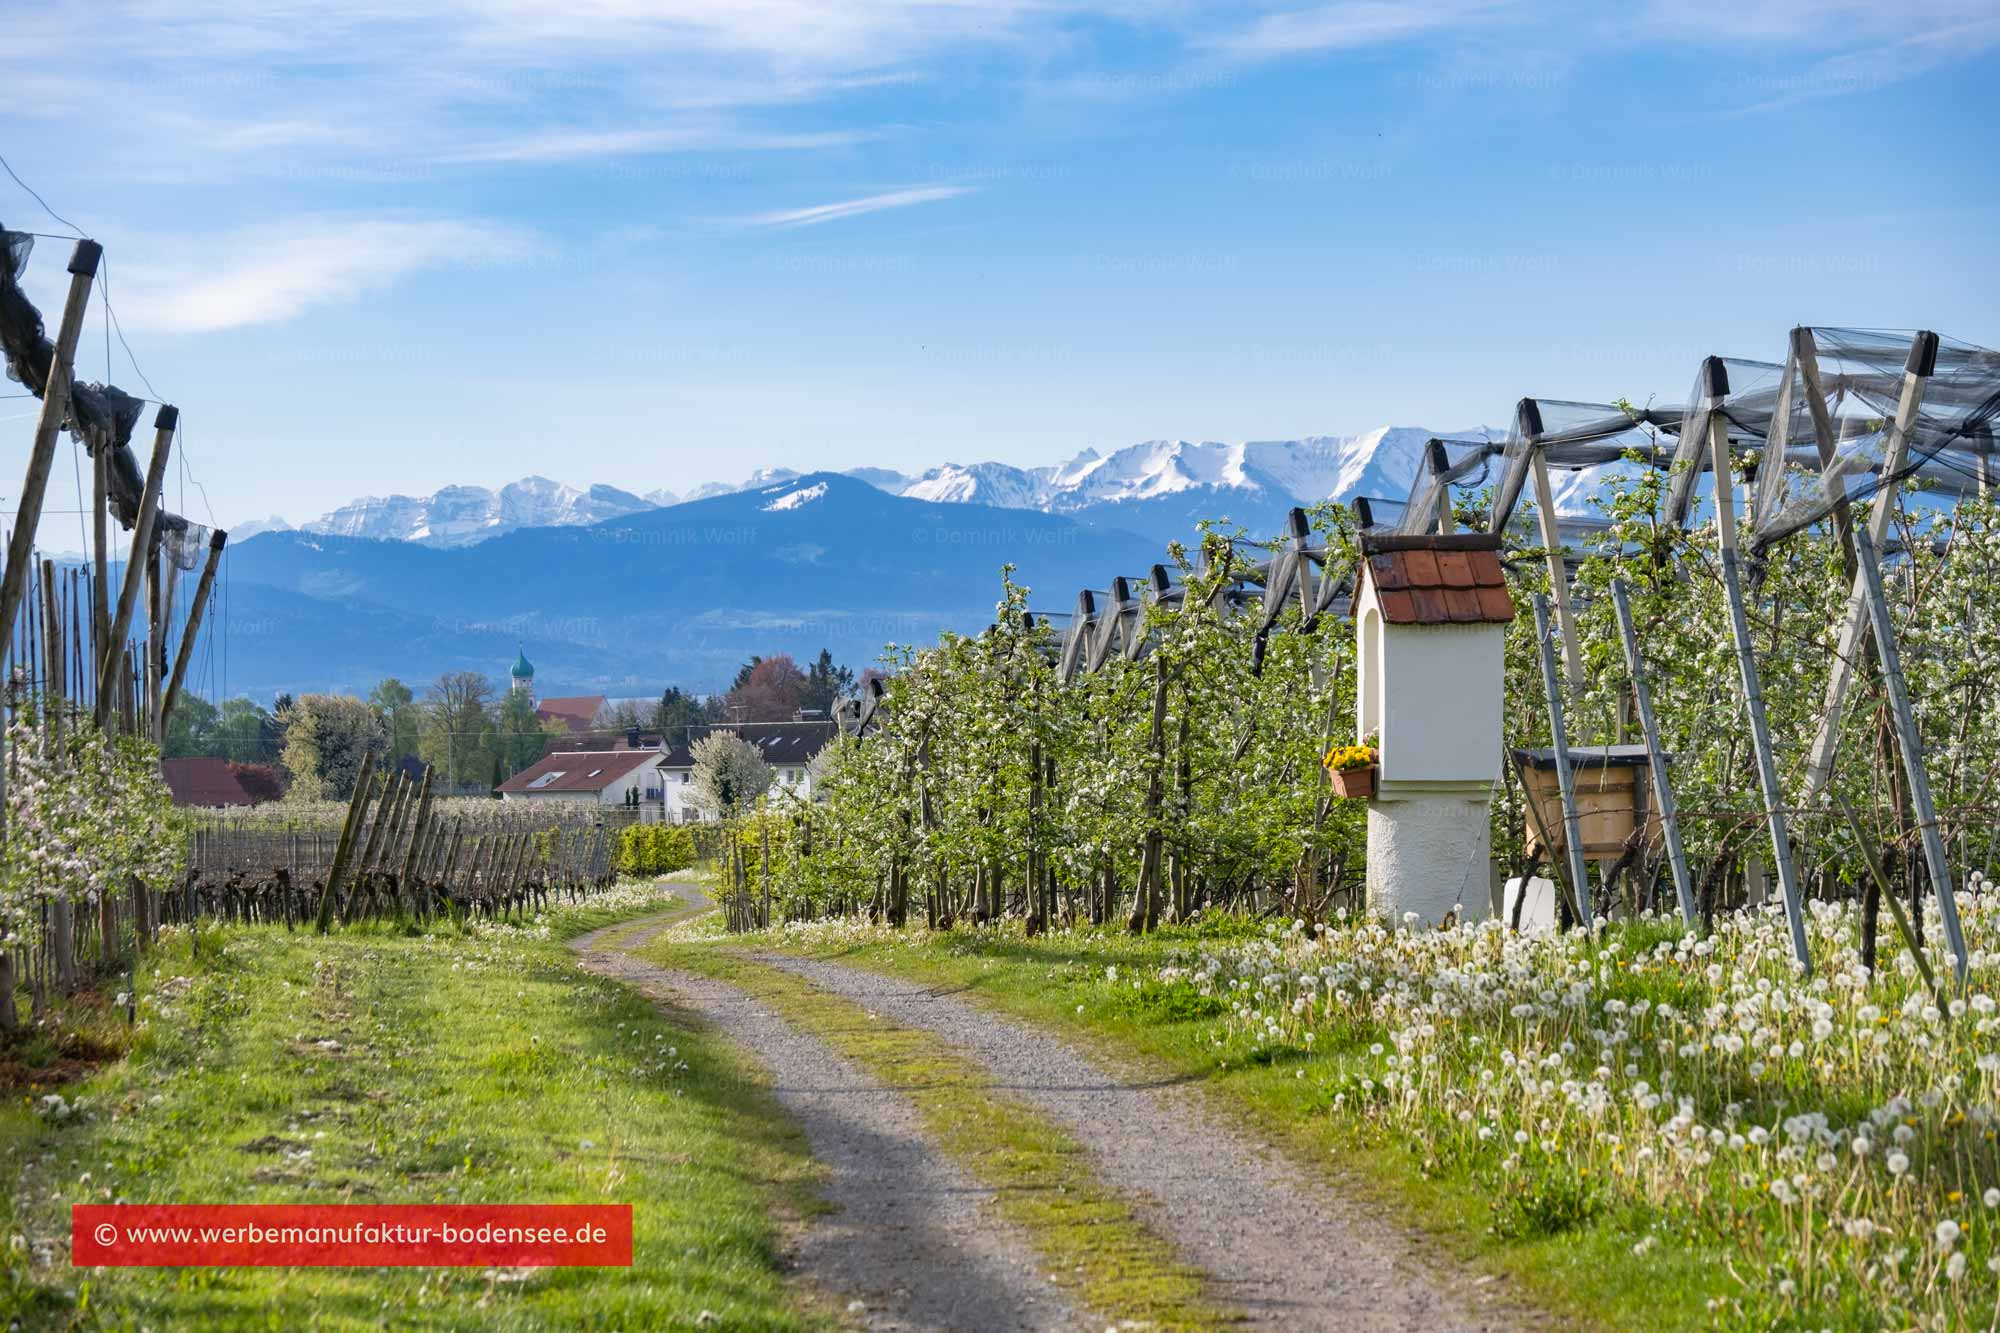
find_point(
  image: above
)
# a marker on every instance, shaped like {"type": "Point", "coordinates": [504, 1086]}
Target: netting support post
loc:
{"type": "Point", "coordinates": [1545, 506]}
{"type": "Point", "coordinates": [1565, 779]}
{"type": "Point", "coordinates": [109, 672]}
{"type": "Point", "coordinates": [100, 583]}
{"type": "Point", "coordinates": [1912, 745]}
{"type": "Point", "coordinates": [1663, 787]}
{"type": "Point", "coordinates": [1853, 624]}
{"type": "Point", "coordinates": [48, 424]}
{"type": "Point", "coordinates": [1767, 765]}
{"type": "Point", "coordinates": [216, 541]}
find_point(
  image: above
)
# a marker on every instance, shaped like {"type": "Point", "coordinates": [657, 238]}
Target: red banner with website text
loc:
{"type": "Point", "coordinates": [283, 1235]}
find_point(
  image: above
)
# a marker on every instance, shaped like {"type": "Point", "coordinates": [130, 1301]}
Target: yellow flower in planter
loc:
{"type": "Point", "coordinates": [1344, 758]}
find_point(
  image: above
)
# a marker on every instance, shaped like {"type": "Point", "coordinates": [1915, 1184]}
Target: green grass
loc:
{"type": "Point", "coordinates": [1572, 1262]}
{"type": "Point", "coordinates": [465, 1067]}
{"type": "Point", "coordinates": [1085, 1233]}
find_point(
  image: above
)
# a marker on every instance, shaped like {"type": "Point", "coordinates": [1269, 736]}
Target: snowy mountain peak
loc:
{"type": "Point", "coordinates": [464, 515]}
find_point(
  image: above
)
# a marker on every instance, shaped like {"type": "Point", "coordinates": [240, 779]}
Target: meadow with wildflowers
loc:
{"type": "Point", "coordinates": [1641, 1126]}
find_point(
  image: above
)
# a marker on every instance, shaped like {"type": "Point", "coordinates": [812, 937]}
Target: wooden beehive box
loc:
{"type": "Point", "coordinates": [1614, 795]}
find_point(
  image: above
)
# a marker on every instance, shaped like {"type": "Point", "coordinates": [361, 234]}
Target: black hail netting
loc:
{"type": "Point", "coordinates": [1464, 465]}
{"type": "Point", "coordinates": [1743, 394]}
{"type": "Point", "coordinates": [1814, 466]}
{"type": "Point", "coordinates": [101, 416]}
{"type": "Point", "coordinates": [1578, 435]}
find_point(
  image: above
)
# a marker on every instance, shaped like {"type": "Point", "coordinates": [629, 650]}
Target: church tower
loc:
{"type": "Point", "coordinates": [524, 675]}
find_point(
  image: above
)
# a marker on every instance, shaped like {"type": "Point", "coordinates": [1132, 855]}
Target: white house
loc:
{"type": "Point", "coordinates": [584, 777]}
{"type": "Point", "coordinates": [788, 747]}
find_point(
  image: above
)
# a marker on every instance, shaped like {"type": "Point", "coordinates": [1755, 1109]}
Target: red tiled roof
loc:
{"type": "Point", "coordinates": [203, 782]}
{"type": "Point", "coordinates": [576, 710]}
{"type": "Point", "coordinates": [577, 771]}
{"type": "Point", "coordinates": [1450, 579]}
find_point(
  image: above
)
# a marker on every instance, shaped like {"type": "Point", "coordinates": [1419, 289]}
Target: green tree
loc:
{"type": "Point", "coordinates": [729, 775]}
{"type": "Point", "coordinates": [518, 736]}
{"type": "Point", "coordinates": [246, 734]}
{"type": "Point", "coordinates": [402, 720]}
{"type": "Point", "coordinates": [326, 736]}
{"type": "Point", "coordinates": [826, 684]}
{"type": "Point", "coordinates": [678, 711]}
{"type": "Point", "coordinates": [454, 737]}
{"type": "Point", "coordinates": [193, 728]}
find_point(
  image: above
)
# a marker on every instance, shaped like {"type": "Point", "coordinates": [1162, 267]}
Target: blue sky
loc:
{"type": "Point", "coordinates": [373, 248]}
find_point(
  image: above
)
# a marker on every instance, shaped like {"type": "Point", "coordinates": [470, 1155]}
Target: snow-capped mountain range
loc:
{"type": "Point", "coordinates": [467, 515]}
{"type": "Point", "coordinates": [1155, 484]}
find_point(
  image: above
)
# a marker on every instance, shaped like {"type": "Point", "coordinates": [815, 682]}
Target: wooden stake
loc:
{"type": "Point", "coordinates": [345, 849]}
{"type": "Point", "coordinates": [135, 567]}
{"type": "Point", "coordinates": [216, 541]}
{"type": "Point", "coordinates": [48, 423]}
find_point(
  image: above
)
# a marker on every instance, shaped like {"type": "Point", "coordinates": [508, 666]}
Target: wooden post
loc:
{"type": "Point", "coordinates": [109, 672]}
{"type": "Point", "coordinates": [1912, 745]}
{"type": "Point", "coordinates": [216, 541]}
{"type": "Point", "coordinates": [1565, 780]}
{"type": "Point", "coordinates": [48, 423]}
{"type": "Point", "coordinates": [52, 645]}
{"type": "Point", "coordinates": [417, 833]}
{"type": "Point", "coordinates": [355, 806]}
{"type": "Point", "coordinates": [1826, 738]}
{"type": "Point", "coordinates": [1642, 695]}
{"type": "Point", "coordinates": [100, 583]}
{"type": "Point", "coordinates": [1760, 741]}
{"type": "Point", "coordinates": [156, 638]}
{"type": "Point", "coordinates": [1439, 465]}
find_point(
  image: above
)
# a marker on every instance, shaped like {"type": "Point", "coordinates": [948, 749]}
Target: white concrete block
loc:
{"type": "Point", "coordinates": [1430, 855]}
{"type": "Point", "coordinates": [1538, 913]}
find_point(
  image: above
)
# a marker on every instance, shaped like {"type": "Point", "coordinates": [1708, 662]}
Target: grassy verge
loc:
{"type": "Point", "coordinates": [1085, 1233]}
{"type": "Point", "coordinates": [464, 1066]}
{"type": "Point", "coordinates": [1080, 986]}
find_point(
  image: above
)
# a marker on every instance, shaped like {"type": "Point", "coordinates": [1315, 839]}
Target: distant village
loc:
{"type": "Point", "coordinates": [634, 759]}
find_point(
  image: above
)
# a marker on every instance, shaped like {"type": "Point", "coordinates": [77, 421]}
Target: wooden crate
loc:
{"type": "Point", "coordinates": [1614, 795]}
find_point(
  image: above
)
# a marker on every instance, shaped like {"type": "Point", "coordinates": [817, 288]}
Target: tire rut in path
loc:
{"type": "Point", "coordinates": [1283, 1248]}
{"type": "Point", "coordinates": [912, 1237]}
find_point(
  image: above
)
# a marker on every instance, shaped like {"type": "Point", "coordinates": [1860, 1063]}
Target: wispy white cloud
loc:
{"type": "Point", "coordinates": [848, 208]}
{"type": "Point", "coordinates": [273, 274]}
{"type": "Point", "coordinates": [575, 145]}
{"type": "Point", "coordinates": [1348, 25]}
{"type": "Point", "coordinates": [1874, 66]}
{"type": "Point", "coordinates": [1826, 24]}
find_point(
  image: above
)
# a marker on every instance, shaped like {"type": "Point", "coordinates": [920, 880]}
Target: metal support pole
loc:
{"type": "Point", "coordinates": [1912, 746]}
{"type": "Point", "coordinates": [1642, 694]}
{"type": "Point", "coordinates": [1767, 767]}
{"type": "Point", "coordinates": [1545, 506]}
{"type": "Point", "coordinates": [1565, 780]}
{"type": "Point", "coordinates": [1826, 738]}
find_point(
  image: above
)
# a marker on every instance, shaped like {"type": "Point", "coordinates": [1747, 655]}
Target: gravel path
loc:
{"type": "Point", "coordinates": [912, 1238]}
{"type": "Point", "coordinates": [1285, 1250]}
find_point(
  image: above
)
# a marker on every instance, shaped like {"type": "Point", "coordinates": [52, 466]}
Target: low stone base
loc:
{"type": "Point", "coordinates": [1430, 854]}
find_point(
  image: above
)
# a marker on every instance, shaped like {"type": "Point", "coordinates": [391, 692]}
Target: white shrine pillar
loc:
{"type": "Point", "coordinates": [1432, 614]}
